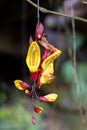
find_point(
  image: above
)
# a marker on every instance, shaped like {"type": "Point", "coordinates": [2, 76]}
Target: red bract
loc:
{"type": "Point", "coordinates": [44, 54]}
{"type": "Point", "coordinates": [38, 81]}
{"type": "Point", "coordinates": [24, 85]}
{"type": "Point", "coordinates": [39, 31]}
{"type": "Point", "coordinates": [42, 99]}
{"type": "Point", "coordinates": [34, 76]}
{"type": "Point", "coordinates": [30, 40]}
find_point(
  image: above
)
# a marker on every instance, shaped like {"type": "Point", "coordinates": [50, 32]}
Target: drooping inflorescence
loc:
{"type": "Point", "coordinates": [41, 67]}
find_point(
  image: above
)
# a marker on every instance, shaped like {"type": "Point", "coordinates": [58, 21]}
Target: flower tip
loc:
{"type": "Point", "coordinates": [27, 92]}
{"type": "Point", "coordinates": [59, 52]}
{"type": "Point", "coordinates": [51, 97]}
{"type": "Point", "coordinates": [18, 85]}
{"type": "Point", "coordinates": [30, 40]}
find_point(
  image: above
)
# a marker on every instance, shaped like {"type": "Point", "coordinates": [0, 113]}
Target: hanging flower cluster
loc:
{"type": "Point", "coordinates": [41, 67]}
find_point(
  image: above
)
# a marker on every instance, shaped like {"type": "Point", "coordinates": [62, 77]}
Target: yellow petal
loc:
{"type": "Point", "coordinates": [50, 59]}
{"type": "Point", "coordinates": [51, 97]}
{"type": "Point", "coordinates": [47, 75]}
{"type": "Point", "coordinates": [27, 92]}
{"type": "Point", "coordinates": [18, 85]}
{"type": "Point", "coordinates": [33, 57]}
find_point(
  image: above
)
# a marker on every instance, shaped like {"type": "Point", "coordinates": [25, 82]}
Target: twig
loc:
{"type": "Point", "coordinates": [84, 2]}
{"type": "Point", "coordinates": [44, 10]}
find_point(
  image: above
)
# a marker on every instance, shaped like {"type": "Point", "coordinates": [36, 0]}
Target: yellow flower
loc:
{"type": "Point", "coordinates": [50, 59]}
{"type": "Point", "coordinates": [33, 57]}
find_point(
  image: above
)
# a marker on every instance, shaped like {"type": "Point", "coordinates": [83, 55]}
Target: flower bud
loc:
{"type": "Point", "coordinates": [33, 120]}
{"type": "Point", "coordinates": [51, 97]}
{"type": "Point", "coordinates": [39, 31]}
{"type": "Point", "coordinates": [19, 84]}
{"type": "Point", "coordinates": [38, 109]}
{"type": "Point", "coordinates": [48, 98]}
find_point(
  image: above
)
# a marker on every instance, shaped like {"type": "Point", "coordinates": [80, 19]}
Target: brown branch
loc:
{"type": "Point", "coordinates": [44, 10]}
{"type": "Point", "coordinates": [84, 2]}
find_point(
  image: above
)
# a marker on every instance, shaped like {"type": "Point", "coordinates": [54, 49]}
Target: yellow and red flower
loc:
{"type": "Point", "coordinates": [41, 69]}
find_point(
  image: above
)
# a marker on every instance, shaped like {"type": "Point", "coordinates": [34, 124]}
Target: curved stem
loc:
{"type": "Point", "coordinates": [74, 48]}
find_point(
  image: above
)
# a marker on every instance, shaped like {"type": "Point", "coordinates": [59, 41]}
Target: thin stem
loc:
{"type": "Point", "coordinates": [74, 47]}
{"type": "Point", "coordinates": [44, 10]}
{"type": "Point", "coordinates": [35, 90]}
{"type": "Point", "coordinates": [32, 105]}
{"type": "Point", "coordinates": [38, 12]}
{"type": "Point", "coordinates": [67, 32]}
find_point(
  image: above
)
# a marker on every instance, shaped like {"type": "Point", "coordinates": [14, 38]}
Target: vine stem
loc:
{"type": "Point", "coordinates": [82, 111]}
{"type": "Point", "coordinates": [34, 94]}
{"type": "Point", "coordinates": [74, 47]}
{"type": "Point", "coordinates": [44, 10]}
